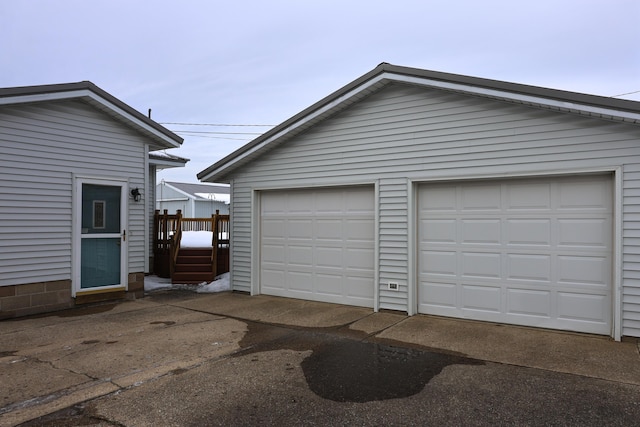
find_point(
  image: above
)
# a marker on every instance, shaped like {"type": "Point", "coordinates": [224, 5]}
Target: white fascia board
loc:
{"type": "Point", "coordinates": [86, 93]}
{"type": "Point", "coordinates": [526, 99]}
{"type": "Point", "coordinates": [167, 162]}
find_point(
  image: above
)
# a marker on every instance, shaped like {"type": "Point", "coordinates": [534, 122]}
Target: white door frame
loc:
{"type": "Point", "coordinates": [76, 261]}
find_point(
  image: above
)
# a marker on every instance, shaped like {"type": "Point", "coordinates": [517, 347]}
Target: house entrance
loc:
{"type": "Point", "coordinates": [101, 240]}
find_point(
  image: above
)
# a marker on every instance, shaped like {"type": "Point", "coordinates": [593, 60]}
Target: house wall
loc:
{"type": "Point", "coordinates": [405, 134]}
{"type": "Point", "coordinates": [44, 146]}
{"type": "Point", "coordinates": [206, 208]}
{"type": "Point", "coordinates": [172, 200]}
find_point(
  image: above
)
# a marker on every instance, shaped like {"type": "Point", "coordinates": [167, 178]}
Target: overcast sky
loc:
{"type": "Point", "coordinates": [261, 62]}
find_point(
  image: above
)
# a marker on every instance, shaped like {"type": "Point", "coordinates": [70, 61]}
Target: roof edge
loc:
{"type": "Point", "coordinates": [385, 72]}
{"type": "Point", "coordinates": [40, 93]}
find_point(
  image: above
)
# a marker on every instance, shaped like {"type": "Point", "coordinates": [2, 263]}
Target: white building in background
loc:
{"type": "Point", "coordinates": [194, 200]}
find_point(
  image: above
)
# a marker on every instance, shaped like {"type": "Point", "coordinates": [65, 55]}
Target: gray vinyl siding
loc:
{"type": "Point", "coordinates": [631, 250]}
{"type": "Point", "coordinates": [404, 133]}
{"type": "Point", "coordinates": [173, 206]}
{"type": "Point", "coordinates": [241, 222]}
{"type": "Point", "coordinates": [206, 208]}
{"type": "Point", "coordinates": [393, 237]}
{"type": "Point", "coordinates": [42, 146]}
{"type": "Point", "coordinates": [172, 200]}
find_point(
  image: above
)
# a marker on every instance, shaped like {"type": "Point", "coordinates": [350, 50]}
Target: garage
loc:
{"type": "Point", "coordinates": [318, 244]}
{"type": "Point", "coordinates": [534, 252]}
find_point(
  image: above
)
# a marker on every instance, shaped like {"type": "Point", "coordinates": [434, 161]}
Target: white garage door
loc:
{"type": "Point", "coordinates": [318, 245]}
{"type": "Point", "coordinates": [534, 252]}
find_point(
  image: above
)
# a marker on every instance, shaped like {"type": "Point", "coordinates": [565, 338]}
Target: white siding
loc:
{"type": "Point", "coordinates": [42, 146]}
{"type": "Point", "coordinates": [408, 133]}
{"type": "Point", "coordinates": [206, 208]}
{"type": "Point", "coordinates": [172, 200]}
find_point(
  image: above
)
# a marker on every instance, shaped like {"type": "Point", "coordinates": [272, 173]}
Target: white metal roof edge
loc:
{"type": "Point", "coordinates": [392, 76]}
{"type": "Point", "coordinates": [522, 98]}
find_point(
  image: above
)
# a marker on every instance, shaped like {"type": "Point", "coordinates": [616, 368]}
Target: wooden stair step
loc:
{"type": "Point", "coordinates": [193, 267]}
{"type": "Point", "coordinates": [193, 259]}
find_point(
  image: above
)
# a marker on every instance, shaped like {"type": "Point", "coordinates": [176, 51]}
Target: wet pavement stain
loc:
{"type": "Point", "coordinates": [77, 415]}
{"type": "Point", "coordinates": [349, 370]}
{"type": "Point", "coordinates": [354, 371]}
{"type": "Point", "coordinates": [83, 311]}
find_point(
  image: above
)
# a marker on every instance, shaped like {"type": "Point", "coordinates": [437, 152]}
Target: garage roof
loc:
{"type": "Point", "coordinates": [98, 98]}
{"type": "Point", "coordinates": [384, 74]}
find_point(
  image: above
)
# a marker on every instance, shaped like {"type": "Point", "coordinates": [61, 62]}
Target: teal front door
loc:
{"type": "Point", "coordinates": [102, 236]}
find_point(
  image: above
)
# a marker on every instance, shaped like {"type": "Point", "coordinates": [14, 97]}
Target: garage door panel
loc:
{"type": "Point", "coordinates": [299, 203]}
{"type": "Point", "coordinates": [584, 270]}
{"type": "Point", "coordinates": [358, 259]}
{"type": "Point", "coordinates": [299, 229]}
{"type": "Point", "coordinates": [582, 307]}
{"type": "Point", "coordinates": [585, 195]}
{"type": "Point", "coordinates": [273, 253]}
{"type": "Point", "coordinates": [477, 197]}
{"type": "Point", "coordinates": [298, 255]}
{"type": "Point", "coordinates": [588, 233]}
{"type": "Point", "coordinates": [329, 284]}
{"type": "Point", "coordinates": [478, 264]}
{"type": "Point", "coordinates": [299, 280]}
{"type": "Point", "coordinates": [441, 200]}
{"type": "Point", "coordinates": [273, 279]}
{"type": "Point", "coordinates": [358, 287]}
{"type": "Point", "coordinates": [359, 202]}
{"type": "Point", "coordinates": [330, 229]}
{"type": "Point", "coordinates": [529, 267]}
{"type": "Point", "coordinates": [439, 263]}
{"type": "Point", "coordinates": [329, 257]}
{"type": "Point", "coordinates": [438, 231]}
{"type": "Point", "coordinates": [528, 231]}
{"type": "Point", "coordinates": [439, 294]}
{"type": "Point", "coordinates": [326, 240]}
{"type": "Point", "coordinates": [359, 229]}
{"type": "Point", "coordinates": [485, 231]}
{"type": "Point", "coordinates": [483, 298]}
{"type": "Point", "coordinates": [528, 302]}
{"type": "Point", "coordinates": [274, 228]}
{"type": "Point", "coordinates": [527, 251]}
{"type": "Point", "coordinates": [528, 197]}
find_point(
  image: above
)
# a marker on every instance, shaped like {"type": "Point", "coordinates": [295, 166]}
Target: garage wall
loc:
{"type": "Point", "coordinates": [404, 133]}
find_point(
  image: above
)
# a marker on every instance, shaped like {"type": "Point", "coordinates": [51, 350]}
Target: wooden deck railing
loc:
{"type": "Point", "coordinates": [168, 231]}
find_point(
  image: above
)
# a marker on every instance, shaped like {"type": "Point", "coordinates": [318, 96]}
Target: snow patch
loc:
{"type": "Point", "coordinates": [221, 284]}
{"type": "Point", "coordinates": [196, 239]}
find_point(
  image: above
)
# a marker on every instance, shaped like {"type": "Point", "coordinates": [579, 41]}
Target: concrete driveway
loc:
{"type": "Point", "coordinates": [177, 358]}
